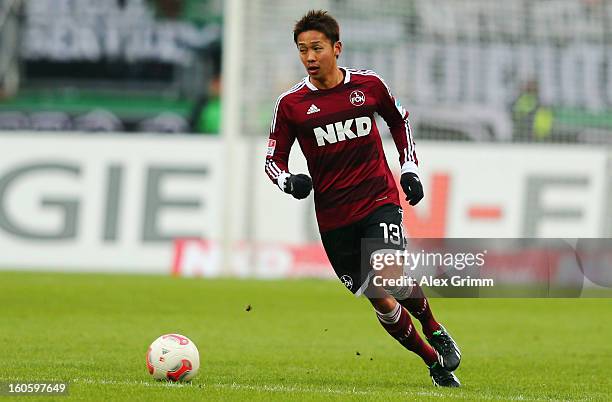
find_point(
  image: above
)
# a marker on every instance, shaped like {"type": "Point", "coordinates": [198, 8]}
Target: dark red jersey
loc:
{"type": "Point", "coordinates": [337, 133]}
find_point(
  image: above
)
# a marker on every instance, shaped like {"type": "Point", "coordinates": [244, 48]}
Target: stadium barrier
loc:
{"type": "Point", "coordinates": [116, 203]}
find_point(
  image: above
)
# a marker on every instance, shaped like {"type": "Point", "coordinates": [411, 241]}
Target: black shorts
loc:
{"type": "Point", "coordinates": [349, 247]}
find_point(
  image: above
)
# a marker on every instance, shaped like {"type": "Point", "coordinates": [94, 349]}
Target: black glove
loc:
{"type": "Point", "coordinates": [411, 184]}
{"type": "Point", "coordinates": [298, 185]}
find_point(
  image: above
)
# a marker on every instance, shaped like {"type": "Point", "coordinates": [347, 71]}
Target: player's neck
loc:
{"type": "Point", "coordinates": [330, 81]}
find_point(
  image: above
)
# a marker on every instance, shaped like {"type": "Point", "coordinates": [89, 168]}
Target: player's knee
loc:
{"type": "Point", "coordinates": [383, 305]}
{"type": "Point", "coordinates": [398, 292]}
{"type": "Point", "coordinates": [390, 275]}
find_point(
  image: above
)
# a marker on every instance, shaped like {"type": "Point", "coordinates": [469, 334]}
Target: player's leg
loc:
{"type": "Point", "coordinates": [396, 321]}
{"type": "Point", "coordinates": [418, 305]}
{"type": "Point", "coordinates": [386, 224]}
{"type": "Point", "coordinates": [413, 299]}
{"type": "Point", "coordinates": [437, 336]}
{"type": "Point", "coordinates": [343, 248]}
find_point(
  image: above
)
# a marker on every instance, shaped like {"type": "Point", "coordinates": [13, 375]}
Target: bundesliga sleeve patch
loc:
{"type": "Point", "coordinates": [271, 147]}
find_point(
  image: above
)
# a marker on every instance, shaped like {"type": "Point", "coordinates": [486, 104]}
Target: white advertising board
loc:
{"type": "Point", "coordinates": [111, 203]}
{"type": "Point", "coordinates": [115, 203]}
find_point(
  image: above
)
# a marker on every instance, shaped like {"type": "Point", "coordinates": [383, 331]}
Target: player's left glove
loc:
{"type": "Point", "coordinates": [411, 184]}
{"type": "Point", "coordinates": [298, 185]}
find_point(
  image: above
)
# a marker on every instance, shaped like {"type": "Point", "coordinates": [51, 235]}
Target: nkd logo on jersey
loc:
{"type": "Point", "coordinates": [341, 131]}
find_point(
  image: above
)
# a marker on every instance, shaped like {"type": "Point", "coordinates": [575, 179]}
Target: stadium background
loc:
{"type": "Point", "coordinates": [133, 135]}
{"type": "Point", "coordinates": [114, 146]}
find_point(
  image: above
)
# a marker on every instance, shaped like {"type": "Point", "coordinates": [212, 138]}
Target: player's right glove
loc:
{"type": "Point", "coordinates": [412, 187]}
{"type": "Point", "coordinates": [298, 185]}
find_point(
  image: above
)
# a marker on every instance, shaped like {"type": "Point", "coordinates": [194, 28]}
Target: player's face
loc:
{"type": "Point", "coordinates": [318, 55]}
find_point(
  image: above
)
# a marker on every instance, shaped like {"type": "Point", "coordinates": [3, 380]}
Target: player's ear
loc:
{"type": "Point", "coordinates": [337, 49]}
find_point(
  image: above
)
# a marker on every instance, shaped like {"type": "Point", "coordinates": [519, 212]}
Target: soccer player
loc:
{"type": "Point", "coordinates": [331, 114]}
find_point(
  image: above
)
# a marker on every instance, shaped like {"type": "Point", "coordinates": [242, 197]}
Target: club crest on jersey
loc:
{"type": "Point", "coordinates": [343, 130]}
{"type": "Point", "coordinates": [271, 147]}
{"type": "Point", "coordinates": [357, 98]}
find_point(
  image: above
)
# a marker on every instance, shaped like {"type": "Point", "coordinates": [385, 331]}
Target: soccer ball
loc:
{"type": "Point", "coordinates": [173, 357]}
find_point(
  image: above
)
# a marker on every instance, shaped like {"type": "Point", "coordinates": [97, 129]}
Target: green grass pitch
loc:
{"type": "Point", "coordinates": [302, 340]}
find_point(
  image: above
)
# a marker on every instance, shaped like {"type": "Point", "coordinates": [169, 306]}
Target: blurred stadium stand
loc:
{"type": "Point", "coordinates": [472, 70]}
{"type": "Point", "coordinates": [9, 47]}
{"type": "Point", "coordinates": [109, 65]}
{"type": "Point", "coordinates": [468, 70]}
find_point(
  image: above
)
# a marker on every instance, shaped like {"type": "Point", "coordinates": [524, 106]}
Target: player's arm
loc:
{"type": "Point", "coordinates": [396, 118]}
{"type": "Point", "coordinates": [281, 139]}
